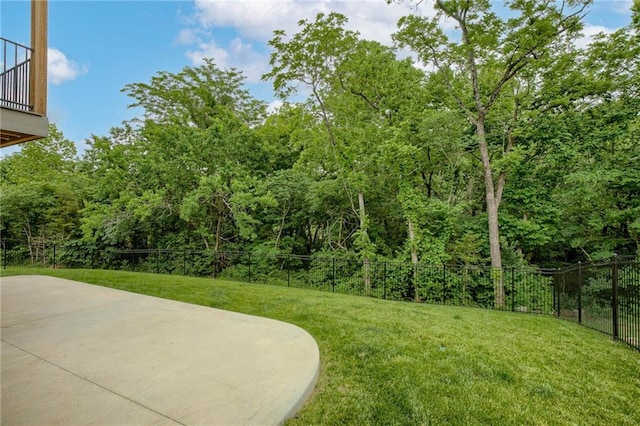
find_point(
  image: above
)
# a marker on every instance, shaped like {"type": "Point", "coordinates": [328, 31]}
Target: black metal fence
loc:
{"type": "Point", "coordinates": [526, 289]}
{"type": "Point", "coordinates": [14, 75]}
{"type": "Point", "coordinates": [603, 295]}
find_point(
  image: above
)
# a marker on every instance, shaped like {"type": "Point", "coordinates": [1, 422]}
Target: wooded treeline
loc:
{"type": "Point", "coordinates": [510, 145]}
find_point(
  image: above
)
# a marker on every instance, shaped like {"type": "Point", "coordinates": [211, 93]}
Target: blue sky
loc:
{"type": "Point", "coordinates": [97, 47]}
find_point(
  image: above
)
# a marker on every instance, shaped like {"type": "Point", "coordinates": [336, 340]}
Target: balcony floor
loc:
{"type": "Point", "coordinates": [20, 126]}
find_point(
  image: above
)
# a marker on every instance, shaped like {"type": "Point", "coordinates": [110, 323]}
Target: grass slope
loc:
{"type": "Point", "coordinates": [388, 363]}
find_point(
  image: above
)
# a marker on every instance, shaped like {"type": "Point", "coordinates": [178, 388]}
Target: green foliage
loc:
{"type": "Point", "coordinates": [41, 194]}
{"type": "Point", "coordinates": [196, 95]}
{"type": "Point", "coordinates": [379, 160]}
{"type": "Point", "coordinates": [76, 254]}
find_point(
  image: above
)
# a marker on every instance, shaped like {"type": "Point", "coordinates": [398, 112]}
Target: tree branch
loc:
{"type": "Point", "coordinates": [359, 94]}
{"type": "Point", "coordinates": [470, 116]}
{"type": "Point", "coordinates": [514, 66]}
{"type": "Point", "coordinates": [461, 18]}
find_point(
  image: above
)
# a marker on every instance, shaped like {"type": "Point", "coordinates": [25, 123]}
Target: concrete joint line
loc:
{"type": "Point", "coordinates": [92, 382]}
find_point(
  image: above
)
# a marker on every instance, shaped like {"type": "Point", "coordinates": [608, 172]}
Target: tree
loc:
{"type": "Point", "coordinates": [357, 90]}
{"type": "Point", "coordinates": [312, 58]}
{"type": "Point", "coordinates": [180, 176]}
{"type": "Point", "coordinates": [195, 95]}
{"type": "Point", "coordinates": [478, 65]}
{"type": "Point", "coordinates": [41, 193]}
{"type": "Point", "coordinates": [602, 178]}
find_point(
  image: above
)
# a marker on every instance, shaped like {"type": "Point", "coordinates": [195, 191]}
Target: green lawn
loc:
{"type": "Point", "coordinates": [388, 363]}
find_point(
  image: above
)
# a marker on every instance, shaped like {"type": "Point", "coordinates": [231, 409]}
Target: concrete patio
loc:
{"type": "Point", "coordinates": [75, 353]}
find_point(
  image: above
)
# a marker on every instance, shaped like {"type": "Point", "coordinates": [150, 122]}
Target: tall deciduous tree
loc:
{"type": "Point", "coordinates": [40, 193]}
{"type": "Point", "coordinates": [195, 95]}
{"type": "Point", "coordinates": [312, 58]}
{"type": "Point", "coordinates": [479, 62]}
{"type": "Point", "coordinates": [357, 90]}
{"type": "Point", "coordinates": [190, 171]}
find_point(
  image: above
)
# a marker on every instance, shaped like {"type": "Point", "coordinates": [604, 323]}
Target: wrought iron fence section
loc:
{"type": "Point", "coordinates": [603, 295]}
{"type": "Point", "coordinates": [526, 289]}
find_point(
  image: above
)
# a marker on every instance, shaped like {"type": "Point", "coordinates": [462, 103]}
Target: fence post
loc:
{"type": "Point", "coordinates": [54, 256]}
{"type": "Point", "coordinates": [513, 294]}
{"type": "Point", "coordinates": [414, 286]}
{"type": "Point", "coordinates": [215, 263]}
{"type": "Point", "coordinates": [184, 262]}
{"type": "Point", "coordinates": [157, 261]}
{"type": "Point", "coordinates": [288, 270]}
{"type": "Point", "coordinates": [614, 299]}
{"type": "Point", "coordinates": [384, 281]}
{"type": "Point", "coordinates": [579, 292]}
{"type": "Point", "coordinates": [556, 292]}
{"type": "Point", "coordinates": [249, 259]}
{"type": "Point", "coordinates": [333, 274]}
{"type": "Point", "coordinates": [444, 284]}
{"type": "Point", "coordinates": [4, 255]}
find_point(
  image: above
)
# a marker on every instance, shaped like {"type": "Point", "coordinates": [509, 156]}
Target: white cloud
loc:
{"type": "Point", "coordinates": [257, 19]}
{"type": "Point", "coordinates": [61, 69]}
{"type": "Point", "coordinates": [237, 54]}
{"type": "Point", "coordinates": [187, 36]}
{"type": "Point", "coordinates": [622, 6]}
{"type": "Point", "coordinates": [588, 33]}
{"type": "Point", "coordinates": [274, 106]}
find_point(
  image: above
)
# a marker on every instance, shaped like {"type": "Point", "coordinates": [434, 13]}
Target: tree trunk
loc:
{"type": "Point", "coordinates": [282, 223]}
{"type": "Point", "coordinates": [218, 230]}
{"type": "Point", "coordinates": [492, 216]}
{"type": "Point", "coordinates": [414, 260]}
{"type": "Point", "coordinates": [363, 229]}
{"type": "Point", "coordinates": [27, 233]}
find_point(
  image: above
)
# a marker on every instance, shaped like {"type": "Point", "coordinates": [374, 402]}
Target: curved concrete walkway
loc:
{"type": "Point", "coordinates": [75, 353]}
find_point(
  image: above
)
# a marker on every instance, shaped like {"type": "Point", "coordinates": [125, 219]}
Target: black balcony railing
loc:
{"type": "Point", "coordinates": [14, 79]}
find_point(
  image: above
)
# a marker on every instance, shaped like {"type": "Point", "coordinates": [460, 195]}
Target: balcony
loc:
{"type": "Point", "coordinates": [23, 83]}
